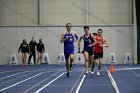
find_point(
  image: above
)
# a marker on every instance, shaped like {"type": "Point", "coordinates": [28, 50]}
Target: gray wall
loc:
{"type": "Point", "coordinates": [56, 12]}
{"type": "Point", "coordinates": [120, 38]}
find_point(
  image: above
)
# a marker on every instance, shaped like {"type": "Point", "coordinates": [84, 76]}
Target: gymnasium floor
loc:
{"type": "Point", "coordinates": [52, 79]}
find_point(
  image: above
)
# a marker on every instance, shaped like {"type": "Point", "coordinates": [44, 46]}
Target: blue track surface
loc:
{"type": "Point", "coordinates": [52, 79]}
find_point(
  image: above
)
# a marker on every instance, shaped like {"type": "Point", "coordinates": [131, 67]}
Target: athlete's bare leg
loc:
{"type": "Point", "coordinates": [86, 61]}
{"type": "Point", "coordinates": [100, 64]}
{"type": "Point", "coordinates": [68, 67]}
{"type": "Point", "coordinates": [71, 60]}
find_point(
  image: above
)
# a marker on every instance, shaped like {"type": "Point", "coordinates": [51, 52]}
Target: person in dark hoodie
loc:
{"type": "Point", "coordinates": [40, 50]}
{"type": "Point", "coordinates": [32, 48]}
{"type": "Point", "coordinates": [24, 48]}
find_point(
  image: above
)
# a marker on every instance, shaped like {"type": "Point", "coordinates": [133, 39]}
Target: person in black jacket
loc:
{"type": "Point", "coordinates": [32, 49]}
{"type": "Point", "coordinates": [40, 50]}
{"type": "Point", "coordinates": [24, 50]}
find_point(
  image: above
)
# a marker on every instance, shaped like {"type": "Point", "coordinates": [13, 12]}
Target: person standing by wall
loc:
{"type": "Point", "coordinates": [24, 50]}
{"type": "Point", "coordinates": [32, 50]}
{"type": "Point", "coordinates": [40, 50]}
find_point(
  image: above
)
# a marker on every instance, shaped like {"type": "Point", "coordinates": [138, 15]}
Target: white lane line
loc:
{"type": "Point", "coordinates": [20, 82]}
{"type": "Point", "coordinates": [113, 82]}
{"type": "Point", "coordinates": [136, 74]}
{"type": "Point", "coordinates": [11, 75]}
{"type": "Point", "coordinates": [26, 91]}
{"type": "Point", "coordinates": [4, 72]}
{"type": "Point", "coordinates": [77, 90]}
{"type": "Point", "coordinates": [49, 83]}
{"type": "Point", "coordinates": [127, 69]}
{"type": "Point", "coordinates": [71, 91]}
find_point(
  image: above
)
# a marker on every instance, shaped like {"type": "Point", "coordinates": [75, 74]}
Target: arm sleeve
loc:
{"type": "Point", "coordinates": [76, 37]}
{"type": "Point", "coordinates": [37, 45]}
{"type": "Point", "coordinates": [27, 48]}
{"type": "Point", "coordinates": [43, 48]}
{"type": "Point", "coordinates": [19, 48]}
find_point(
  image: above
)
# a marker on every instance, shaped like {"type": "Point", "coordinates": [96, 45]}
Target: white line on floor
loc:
{"type": "Point", "coordinates": [49, 83]}
{"type": "Point", "coordinates": [11, 75]}
{"type": "Point", "coordinates": [113, 82]}
{"type": "Point", "coordinates": [77, 90]}
{"type": "Point", "coordinates": [20, 82]}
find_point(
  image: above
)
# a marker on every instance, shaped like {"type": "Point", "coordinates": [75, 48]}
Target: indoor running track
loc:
{"type": "Point", "coordinates": [52, 79]}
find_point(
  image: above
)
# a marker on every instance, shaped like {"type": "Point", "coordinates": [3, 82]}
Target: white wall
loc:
{"type": "Point", "coordinates": [120, 40]}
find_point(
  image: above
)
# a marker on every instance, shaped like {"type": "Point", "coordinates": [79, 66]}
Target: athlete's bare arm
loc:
{"type": "Point", "coordinates": [93, 37]}
{"type": "Point", "coordinates": [94, 40]}
{"type": "Point", "coordinates": [75, 35]}
{"type": "Point", "coordinates": [105, 43]}
{"type": "Point", "coordinates": [62, 37]}
{"type": "Point", "coordinates": [79, 41]}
